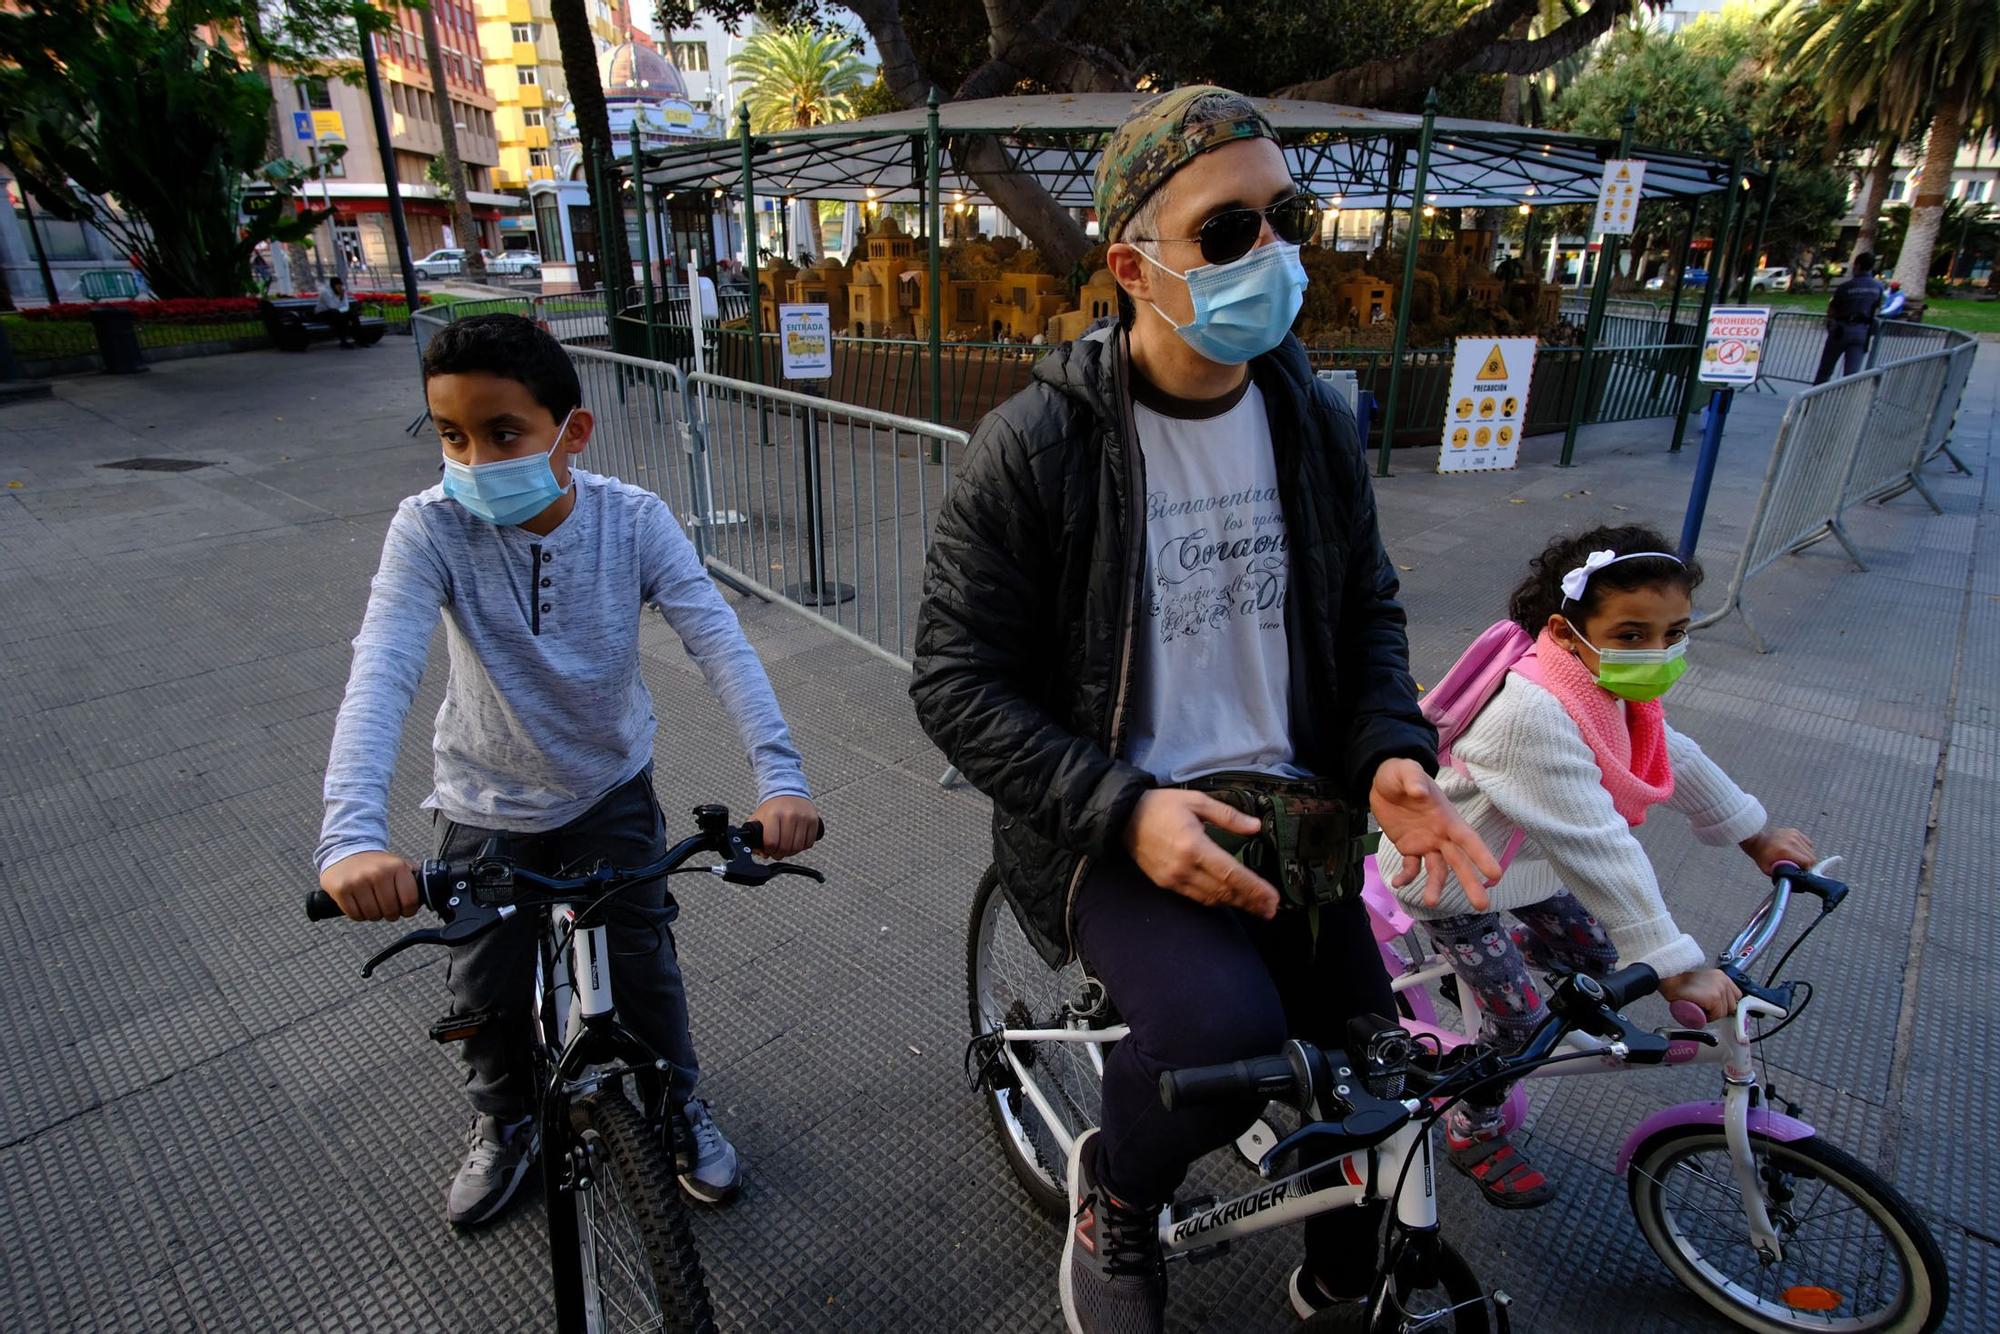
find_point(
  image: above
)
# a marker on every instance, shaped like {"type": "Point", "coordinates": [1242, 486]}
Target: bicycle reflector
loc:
{"type": "Point", "coordinates": [1807, 1297]}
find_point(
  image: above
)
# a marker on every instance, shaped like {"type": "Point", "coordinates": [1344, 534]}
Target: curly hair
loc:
{"type": "Point", "coordinates": [1540, 595]}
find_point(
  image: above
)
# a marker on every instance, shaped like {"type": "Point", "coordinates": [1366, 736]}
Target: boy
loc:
{"type": "Point", "coordinates": [541, 572]}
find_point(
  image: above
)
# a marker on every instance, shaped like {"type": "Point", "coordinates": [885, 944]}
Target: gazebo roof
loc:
{"type": "Point", "coordinates": [1344, 154]}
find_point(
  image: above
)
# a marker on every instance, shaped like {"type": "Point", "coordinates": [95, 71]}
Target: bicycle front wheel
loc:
{"type": "Point", "coordinates": [1857, 1256]}
{"type": "Point", "coordinates": [1011, 986]}
{"type": "Point", "coordinates": [641, 1269]}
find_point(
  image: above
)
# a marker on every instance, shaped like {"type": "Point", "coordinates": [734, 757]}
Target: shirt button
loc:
{"type": "Point", "coordinates": [547, 582]}
{"type": "Point", "coordinates": [548, 556]}
{"type": "Point", "coordinates": [545, 606]}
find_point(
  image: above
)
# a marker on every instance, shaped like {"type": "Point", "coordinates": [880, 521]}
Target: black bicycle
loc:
{"type": "Point", "coordinates": [615, 1136]}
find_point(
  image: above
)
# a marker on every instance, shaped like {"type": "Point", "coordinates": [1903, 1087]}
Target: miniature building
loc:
{"type": "Point", "coordinates": [880, 303]}
{"type": "Point", "coordinates": [1024, 305]}
{"type": "Point", "coordinates": [1364, 300]}
{"type": "Point", "coordinates": [1098, 299]}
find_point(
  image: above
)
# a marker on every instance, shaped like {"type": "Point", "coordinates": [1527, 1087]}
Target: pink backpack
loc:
{"type": "Point", "coordinates": [1475, 678]}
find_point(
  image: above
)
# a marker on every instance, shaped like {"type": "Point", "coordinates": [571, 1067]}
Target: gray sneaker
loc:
{"type": "Point", "coordinates": [717, 1173]}
{"type": "Point", "coordinates": [495, 1163]}
{"type": "Point", "coordinates": [1113, 1278]}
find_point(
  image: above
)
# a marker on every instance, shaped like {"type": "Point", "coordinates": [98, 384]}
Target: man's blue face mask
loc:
{"type": "Point", "coordinates": [508, 491]}
{"type": "Point", "coordinates": [1244, 308]}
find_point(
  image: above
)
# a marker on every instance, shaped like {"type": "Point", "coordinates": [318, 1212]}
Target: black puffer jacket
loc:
{"type": "Point", "coordinates": [1031, 592]}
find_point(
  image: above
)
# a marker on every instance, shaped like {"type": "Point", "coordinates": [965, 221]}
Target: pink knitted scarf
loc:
{"type": "Point", "coordinates": [1630, 742]}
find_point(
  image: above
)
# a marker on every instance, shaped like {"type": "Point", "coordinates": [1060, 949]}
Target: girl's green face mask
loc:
{"type": "Point", "coordinates": [1639, 674]}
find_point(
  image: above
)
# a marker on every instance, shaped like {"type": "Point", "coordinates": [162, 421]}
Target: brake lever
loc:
{"type": "Point", "coordinates": [1360, 1129]}
{"type": "Point", "coordinates": [467, 925]}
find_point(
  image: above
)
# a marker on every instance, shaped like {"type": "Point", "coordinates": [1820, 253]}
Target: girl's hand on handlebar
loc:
{"type": "Point", "coordinates": [1706, 987]}
{"type": "Point", "coordinates": [372, 886]}
{"type": "Point", "coordinates": [791, 825]}
{"type": "Point", "coordinates": [1771, 846]}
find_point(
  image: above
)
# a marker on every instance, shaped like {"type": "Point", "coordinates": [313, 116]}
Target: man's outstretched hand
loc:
{"type": "Point", "coordinates": [1169, 842]}
{"type": "Point", "coordinates": [1416, 816]}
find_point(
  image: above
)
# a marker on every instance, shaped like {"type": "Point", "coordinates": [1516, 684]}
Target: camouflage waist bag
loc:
{"type": "Point", "coordinates": [1312, 843]}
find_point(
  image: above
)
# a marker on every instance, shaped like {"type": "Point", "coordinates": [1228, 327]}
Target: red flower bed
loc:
{"type": "Point", "coordinates": [191, 310]}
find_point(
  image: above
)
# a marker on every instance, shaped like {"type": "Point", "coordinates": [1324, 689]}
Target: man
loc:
{"type": "Point", "coordinates": [338, 312]}
{"type": "Point", "coordinates": [1850, 320]}
{"type": "Point", "coordinates": [1160, 571]}
{"type": "Point", "coordinates": [1894, 302]}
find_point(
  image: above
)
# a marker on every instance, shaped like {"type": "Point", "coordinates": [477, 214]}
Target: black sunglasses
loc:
{"type": "Point", "coordinates": [1232, 233]}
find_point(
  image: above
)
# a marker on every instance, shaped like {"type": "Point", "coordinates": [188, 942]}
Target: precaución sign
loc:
{"type": "Point", "coordinates": [1487, 405]}
{"type": "Point", "coordinates": [1618, 196]}
{"type": "Point", "coordinates": [1734, 344]}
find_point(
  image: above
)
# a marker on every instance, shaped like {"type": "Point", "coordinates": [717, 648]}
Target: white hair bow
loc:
{"type": "Point", "coordinates": [1579, 579]}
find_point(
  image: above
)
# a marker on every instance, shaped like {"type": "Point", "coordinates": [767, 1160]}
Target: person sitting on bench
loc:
{"type": "Point", "coordinates": [335, 309]}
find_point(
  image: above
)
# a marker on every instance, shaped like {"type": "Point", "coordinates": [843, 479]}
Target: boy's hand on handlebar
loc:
{"type": "Point", "coordinates": [1770, 846]}
{"type": "Point", "coordinates": [1706, 987]}
{"type": "Point", "coordinates": [372, 886]}
{"type": "Point", "coordinates": [1416, 816]}
{"type": "Point", "coordinates": [791, 825]}
{"type": "Point", "coordinates": [1169, 842]}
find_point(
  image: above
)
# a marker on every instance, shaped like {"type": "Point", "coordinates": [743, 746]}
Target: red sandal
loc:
{"type": "Point", "coordinates": [1503, 1174]}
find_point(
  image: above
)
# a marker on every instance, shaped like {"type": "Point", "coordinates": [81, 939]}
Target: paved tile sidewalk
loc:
{"type": "Point", "coordinates": [209, 1121]}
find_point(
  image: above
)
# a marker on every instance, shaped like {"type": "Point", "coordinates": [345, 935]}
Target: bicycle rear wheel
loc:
{"type": "Point", "coordinates": [1857, 1256]}
{"type": "Point", "coordinates": [1009, 985]}
{"type": "Point", "coordinates": [641, 1268]}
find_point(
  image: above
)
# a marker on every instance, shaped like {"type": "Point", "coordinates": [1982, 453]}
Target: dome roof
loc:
{"type": "Point", "coordinates": [630, 70]}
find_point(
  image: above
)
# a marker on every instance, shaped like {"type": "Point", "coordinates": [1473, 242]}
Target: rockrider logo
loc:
{"type": "Point", "coordinates": [1267, 1198]}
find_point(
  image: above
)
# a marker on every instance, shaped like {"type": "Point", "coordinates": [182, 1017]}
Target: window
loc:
{"type": "Point", "coordinates": [524, 32]}
{"type": "Point", "coordinates": [454, 67]}
{"type": "Point", "coordinates": [527, 75]}
{"type": "Point", "coordinates": [691, 57]}
{"type": "Point", "coordinates": [313, 95]}
{"type": "Point", "coordinates": [532, 118]}
{"type": "Point", "coordinates": [538, 157]}
{"type": "Point", "coordinates": [548, 229]}
{"type": "Point", "coordinates": [1976, 192]}
{"type": "Point", "coordinates": [1897, 186]}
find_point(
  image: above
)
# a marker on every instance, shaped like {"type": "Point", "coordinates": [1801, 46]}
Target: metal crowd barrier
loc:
{"type": "Point", "coordinates": [821, 504]}
{"type": "Point", "coordinates": [1852, 440]}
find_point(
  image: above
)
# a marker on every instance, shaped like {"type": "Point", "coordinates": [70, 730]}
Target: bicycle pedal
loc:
{"type": "Point", "coordinates": [459, 1027]}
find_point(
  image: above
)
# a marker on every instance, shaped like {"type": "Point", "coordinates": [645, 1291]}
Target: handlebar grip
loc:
{"type": "Point", "coordinates": [1628, 984]}
{"type": "Point", "coordinates": [1265, 1077]}
{"type": "Point", "coordinates": [752, 834]}
{"type": "Point", "coordinates": [320, 906]}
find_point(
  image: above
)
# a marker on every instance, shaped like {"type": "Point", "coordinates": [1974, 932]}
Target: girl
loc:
{"type": "Point", "coordinates": [1572, 751]}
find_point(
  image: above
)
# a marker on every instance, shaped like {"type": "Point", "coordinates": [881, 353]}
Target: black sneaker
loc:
{"type": "Point", "coordinates": [1113, 1277]}
{"type": "Point", "coordinates": [496, 1160]}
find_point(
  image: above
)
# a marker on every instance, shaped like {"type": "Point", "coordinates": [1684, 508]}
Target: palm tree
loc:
{"type": "Point", "coordinates": [1917, 63]}
{"type": "Point", "coordinates": [593, 128]}
{"type": "Point", "coordinates": [464, 230]}
{"type": "Point", "coordinates": [796, 78]}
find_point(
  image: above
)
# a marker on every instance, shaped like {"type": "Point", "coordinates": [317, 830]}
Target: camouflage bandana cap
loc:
{"type": "Point", "coordinates": [1157, 140]}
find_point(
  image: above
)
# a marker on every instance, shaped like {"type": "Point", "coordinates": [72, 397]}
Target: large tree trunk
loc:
{"type": "Point", "coordinates": [1913, 266]}
{"type": "Point", "coordinates": [815, 234]}
{"type": "Point", "coordinates": [462, 224]}
{"type": "Point", "coordinates": [1874, 189]}
{"type": "Point", "coordinates": [287, 259]}
{"type": "Point", "coordinates": [593, 125]}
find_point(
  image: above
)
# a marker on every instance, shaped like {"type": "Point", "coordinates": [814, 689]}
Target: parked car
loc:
{"type": "Point", "coordinates": [1771, 280]}
{"type": "Point", "coordinates": [1689, 278]}
{"type": "Point", "coordinates": [447, 263]}
{"type": "Point", "coordinates": [525, 263]}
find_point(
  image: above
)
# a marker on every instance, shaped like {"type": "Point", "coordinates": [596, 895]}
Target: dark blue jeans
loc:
{"type": "Point", "coordinates": [1202, 985]}
{"type": "Point", "coordinates": [496, 972]}
{"type": "Point", "coordinates": [1847, 346]}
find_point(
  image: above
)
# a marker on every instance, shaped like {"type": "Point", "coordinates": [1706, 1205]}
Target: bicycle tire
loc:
{"type": "Point", "coordinates": [658, 1283]}
{"type": "Point", "coordinates": [1002, 971]}
{"type": "Point", "coordinates": [1925, 1289]}
{"type": "Point", "coordinates": [1456, 1282]}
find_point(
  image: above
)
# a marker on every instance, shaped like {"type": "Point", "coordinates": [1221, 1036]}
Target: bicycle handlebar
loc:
{"type": "Point", "coordinates": [1266, 1077]}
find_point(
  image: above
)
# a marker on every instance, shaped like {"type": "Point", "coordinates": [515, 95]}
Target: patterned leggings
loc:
{"type": "Point", "coordinates": [1487, 956]}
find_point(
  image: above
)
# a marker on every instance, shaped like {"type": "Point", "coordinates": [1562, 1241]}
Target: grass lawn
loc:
{"type": "Point", "coordinates": [1965, 313]}
{"type": "Point", "coordinates": [36, 340]}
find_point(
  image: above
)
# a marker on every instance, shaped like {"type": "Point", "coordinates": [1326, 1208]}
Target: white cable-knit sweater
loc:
{"type": "Point", "coordinates": [1528, 767]}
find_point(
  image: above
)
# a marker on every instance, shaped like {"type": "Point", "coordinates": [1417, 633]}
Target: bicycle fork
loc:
{"type": "Point", "coordinates": [1739, 1084]}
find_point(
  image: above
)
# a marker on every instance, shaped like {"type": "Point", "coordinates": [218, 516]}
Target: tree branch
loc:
{"type": "Point", "coordinates": [1401, 78]}
{"type": "Point", "coordinates": [1569, 38]}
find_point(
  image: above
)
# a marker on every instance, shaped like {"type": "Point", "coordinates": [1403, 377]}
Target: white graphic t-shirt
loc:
{"type": "Point", "coordinates": [1213, 677]}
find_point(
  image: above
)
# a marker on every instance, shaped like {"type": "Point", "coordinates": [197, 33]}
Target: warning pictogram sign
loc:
{"type": "Point", "coordinates": [1494, 367]}
{"type": "Point", "coordinates": [1489, 390]}
{"type": "Point", "coordinates": [1618, 195]}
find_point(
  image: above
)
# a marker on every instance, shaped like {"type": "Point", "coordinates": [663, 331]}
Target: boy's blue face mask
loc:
{"type": "Point", "coordinates": [509, 491]}
{"type": "Point", "coordinates": [1244, 308]}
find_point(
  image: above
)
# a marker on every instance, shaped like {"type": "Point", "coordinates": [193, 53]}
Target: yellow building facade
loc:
{"type": "Point", "coordinates": [524, 73]}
